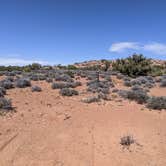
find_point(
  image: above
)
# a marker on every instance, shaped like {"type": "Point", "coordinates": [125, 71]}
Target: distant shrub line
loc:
{"type": "Point", "coordinates": [133, 66]}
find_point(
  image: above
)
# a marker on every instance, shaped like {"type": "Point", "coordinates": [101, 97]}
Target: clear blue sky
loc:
{"type": "Point", "coordinates": [67, 31]}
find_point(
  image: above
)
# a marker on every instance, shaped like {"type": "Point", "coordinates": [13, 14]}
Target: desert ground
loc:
{"type": "Point", "coordinates": [48, 129]}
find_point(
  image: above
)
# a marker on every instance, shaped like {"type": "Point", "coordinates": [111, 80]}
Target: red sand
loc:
{"type": "Point", "coordinates": [51, 130]}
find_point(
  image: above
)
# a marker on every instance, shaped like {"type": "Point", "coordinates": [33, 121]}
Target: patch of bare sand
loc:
{"type": "Point", "coordinates": [158, 91]}
{"type": "Point", "coordinates": [51, 130]}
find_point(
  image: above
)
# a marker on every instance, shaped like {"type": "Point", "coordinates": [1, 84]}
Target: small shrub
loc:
{"type": "Point", "coordinates": [135, 82]}
{"type": "Point", "coordinates": [157, 70]}
{"type": "Point", "coordinates": [147, 81]}
{"type": "Point", "coordinates": [120, 76]}
{"type": "Point", "coordinates": [63, 77]}
{"type": "Point", "coordinates": [7, 84]}
{"type": "Point", "coordinates": [150, 78]}
{"type": "Point", "coordinates": [103, 96]}
{"type": "Point", "coordinates": [114, 73]}
{"type": "Point", "coordinates": [149, 85]}
{"type": "Point", "coordinates": [5, 104]}
{"type": "Point", "coordinates": [126, 78]}
{"type": "Point", "coordinates": [163, 77]}
{"type": "Point", "coordinates": [2, 91]}
{"type": "Point", "coordinates": [91, 99]}
{"type": "Point", "coordinates": [23, 82]}
{"type": "Point", "coordinates": [127, 140]}
{"type": "Point", "coordinates": [127, 83]}
{"type": "Point", "coordinates": [106, 64]}
{"type": "Point", "coordinates": [156, 103]}
{"type": "Point", "coordinates": [68, 92]}
{"type": "Point", "coordinates": [49, 80]}
{"type": "Point", "coordinates": [158, 79]}
{"type": "Point", "coordinates": [35, 66]}
{"type": "Point", "coordinates": [143, 80]}
{"type": "Point", "coordinates": [163, 83]}
{"type": "Point", "coordinates": [92, 76]}
{"type": "Point", "coordinates": [140, 96]}
{"type": "Point", "coordinates": [123, 93]}
{"type": "Point", "coordinates": [12, 73]}
{"type": "Point", "coordinates": [71, 67]}
{"type": "Point", "coordinates": [70, 73]}
{"type": "Point", "coordinates": [82, 75]}
{"type": "Point", "coordinates": [9, 78]}
{"type": "Point", "coordinates": [1, 73]}
{"type": "Point", "coordinates": [108, 78]}
{"type": "Point", "coordinates": [146, 89]}
{"type": "Point", "coordinates": [42, 77]}
{"type": "Point", "coordinates": [99, 86]}
{"type": "Point", "coordinates": [75, 84]}
{"type": "Point", "coordinates": [115, 90]}
{"type": "Point", "coordinates": [34, 77]}
{"type": "Point", "coordinates": [136, 88]}
{"type": "Point", "coordinates": [57, 85]}
{"type": "Point", "coordinates": [60, 85]}
{"type": "Point", "coordinates": [36, 89]}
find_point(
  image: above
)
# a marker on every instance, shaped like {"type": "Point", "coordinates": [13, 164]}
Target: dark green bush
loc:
{"type": "Point", "coordinates": [106, 64]}
{"type": "Point", "coordinates": [135, 65]}
{"type": "Point", "coordinates": [71, 67]}
{"type": "Point", "coordinates": [158, 70]}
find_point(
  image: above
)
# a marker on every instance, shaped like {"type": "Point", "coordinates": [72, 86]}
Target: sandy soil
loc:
{"type": "Point", "coordinates": [158, 91]}
{"type": "Point", "coordinates": [51, 130]}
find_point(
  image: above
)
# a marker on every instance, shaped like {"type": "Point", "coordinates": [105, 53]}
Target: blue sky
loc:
{"type": "Point", "coordinates": [67, 31]}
